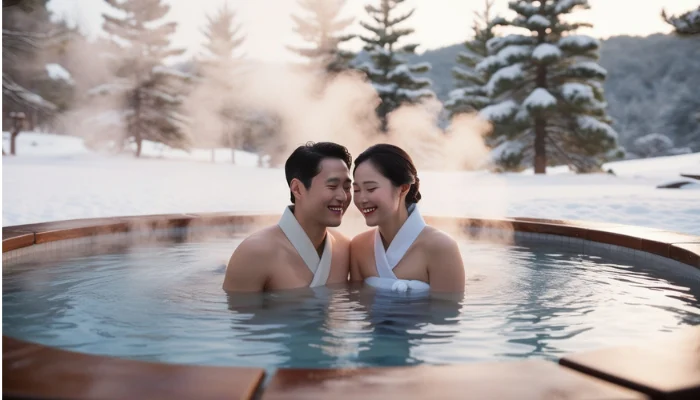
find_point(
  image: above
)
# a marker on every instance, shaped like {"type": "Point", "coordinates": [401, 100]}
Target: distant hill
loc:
{"type": "Point", "coordinates": [652, 84]}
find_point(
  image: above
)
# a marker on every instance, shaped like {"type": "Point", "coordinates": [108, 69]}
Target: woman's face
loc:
{"type": "Point", "coordinates": [374, 194]}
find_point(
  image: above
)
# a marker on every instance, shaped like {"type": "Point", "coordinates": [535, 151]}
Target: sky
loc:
{"type": "Point", "coordinates": [437, 23]}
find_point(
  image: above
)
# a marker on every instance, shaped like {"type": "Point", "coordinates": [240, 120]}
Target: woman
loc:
{"type": "Point", "coordinates": [402, 253]}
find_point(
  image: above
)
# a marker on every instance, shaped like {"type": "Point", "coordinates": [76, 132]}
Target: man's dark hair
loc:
{"type": "Point", "coordinates": [394, 164]}
{"type": "Point", "coordinates": [305, 162]}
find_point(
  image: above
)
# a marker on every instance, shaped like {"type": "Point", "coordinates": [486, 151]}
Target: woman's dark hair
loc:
{"type": "Point", "coordinates": [396, 165]}
{"type": "Point", "coordinates": [305, 161]}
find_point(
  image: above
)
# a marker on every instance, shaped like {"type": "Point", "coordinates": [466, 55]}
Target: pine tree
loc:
{"type": "Point", "coordinates": [27, 30]}
{"type": "Point", "coordinates": [224, 38]}
{"type": "Point", "coordinates": [388, 70]}
{"type": "Point", "coordinates": [687, 24]}
{"type": "Point", "coordinates": [322, 29]}
{"type": "Point", "coordinates": [30, 41]}
{"type": "Point", "coordinates": [470, 94]}
{"type": "Point", "coordinates": [148, 93]}
{"type": "Point", "coordinates": [548, 90]}
{"type": "Point", "coordinates": [220, 72]}
{"type": "Point", "coordinates": [683, 118]}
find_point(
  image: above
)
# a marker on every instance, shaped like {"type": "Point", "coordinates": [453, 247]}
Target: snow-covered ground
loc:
{"type": "Point", "coordinates": [56, 178]}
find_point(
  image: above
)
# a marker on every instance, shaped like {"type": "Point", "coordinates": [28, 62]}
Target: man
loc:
{"type": "Point", "coordinates": [300, 251]}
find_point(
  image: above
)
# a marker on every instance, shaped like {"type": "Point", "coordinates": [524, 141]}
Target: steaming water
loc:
{"type": "Point", "coordinates": [163, 302]}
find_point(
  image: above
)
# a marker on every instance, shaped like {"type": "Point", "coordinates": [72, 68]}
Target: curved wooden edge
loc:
{"type": "Point", "coordinates": [678, 246]}
{"type": "Point", "coordinates": [31, 370]}
{"type": "Point", "coordinates": [664, 369]}
{"type": "Point", "coordinates": [16, 240]}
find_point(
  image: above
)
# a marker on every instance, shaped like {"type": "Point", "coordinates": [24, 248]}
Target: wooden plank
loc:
{"type": "Point", "coordinates": [35, 371]}
{"type": "Point", "coordinates": [664, 370]}
{"type": "Point", "coordinates": [532, 379]}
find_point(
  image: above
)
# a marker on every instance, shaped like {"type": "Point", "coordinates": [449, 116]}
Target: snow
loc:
{"type": "Point", "coordinates": [574, 91]}
{"type": "Point", "coordinates": [423, 81]}
{"type": "Point", "coordinates": [488, 63]}
{"type": "Point", "coordinates": [500, 111]}
{"type": "Point", "coordinates": [421, 65]}
{"type": "Point", "coordinates": [591, 67]}
{"type": "Point", "coordinates": [522, 115]}
{"type": "Point", "coordinates": [470, 55]}
{"type": "Point", "coordinates": [43, 147]}
{"type": "Point", "coordinates": [67, 181]}
{"type": "Point", "coordinates": [653, 144]}
{"type": "Point", "coordinates": [538, 21]}
{"type": "Point", "coordinates": [546, 50]}
{"type": "Point", "coordinates": [20, 94]}
{"type": "Point", "coordinates": [686, 22]}
{"type": "Point", "coordinates": [166, 97]}
{"type": "Point", "coordinates": [588, 123]}
{"type": "Point", "coordinates": [566, 5]}
{"type": "Point", "coordinates": [539, 98]}
{"type": "Point", "coordinates": [110, 117]}
{"type": "Point", "coordinates": [384, 88]}
{"type": "Point", "coordinates": [405, 70]}
{"type": "Point", "coordinates": [467, 74]}
{"type": "Point", "coordinates": [506, 148]}
{"type": "Point", "coordinates": [497, 43]}
{"type": "Point", "coordinates": [110, 88]}
{"type": "Point", "coordinates": [694, 16]}
{"type": "Point", "coordinates": [58, 73]}
{"type": "Point", "coordinates": [415, 94]}
{"type": "Point", "coordinates": [658, 167]}
{"type": "Point", "coordinates": [366, 66]}
{"type": "Point", "coordinates": [578, 41]}
{"type": "Point", "coordinates": [401, 69]}
{"type": "Point", "coordinates": [376, 50]}
{"type": "Point", "coordinates": [162, 70]}
{"type": "Point", "coordinates": [514, 52]}
{"type": "Point", "coordinates": [507, 74]}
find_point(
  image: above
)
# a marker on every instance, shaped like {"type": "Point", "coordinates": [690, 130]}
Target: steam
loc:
{"type": "Point", "coordinates": [307, 106]}
{"type": "Point", "coordinates": [313, 107]}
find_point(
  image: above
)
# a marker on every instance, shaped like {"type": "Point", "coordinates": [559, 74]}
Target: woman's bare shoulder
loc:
{"type": "Point", "coordinates": [436, 240]}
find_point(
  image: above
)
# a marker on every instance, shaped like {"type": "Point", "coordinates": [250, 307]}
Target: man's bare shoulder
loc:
{"type": "Point", "coordinates": [259, 243]}
{"type": "Point", "coordinates": [248, 268]}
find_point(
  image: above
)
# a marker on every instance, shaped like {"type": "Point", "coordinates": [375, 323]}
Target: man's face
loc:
{"type": "Point", "coordinates": [329, 195]}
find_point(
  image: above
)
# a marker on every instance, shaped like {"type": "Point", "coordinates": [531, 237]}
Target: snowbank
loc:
{"type": "Point", "coordinates": [59, 179]}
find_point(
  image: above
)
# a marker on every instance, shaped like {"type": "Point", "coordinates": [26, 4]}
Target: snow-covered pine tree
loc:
{"type": "Point", "coordinates": [657, 145]}
{"type": "Point", "coordinates": [686, 110]}
{"type": "Point", "coordinates": [323, 29]}
{"type": "Point", "coordinates": [470, 93]}
{"type": "Point", "coordinates": [547, 87]}
{"type": "Point", "coordinates": [224, 39]}
{"type": "Point", "coordinates": [220, 72]}
{"type": "Point", "coordinates": [26, 30]}
{"type": "Point", "coordinates": [31, 43]}
{"type": "Point", "coordinates": [686, 24]}
{"type": "Point", "coordinates": [388, 70]}
{"type": "Point", "coordinates": [148, 93]}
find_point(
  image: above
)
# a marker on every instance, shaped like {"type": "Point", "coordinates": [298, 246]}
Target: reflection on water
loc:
{"type": "Point", "coordinates": [165, 303]}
